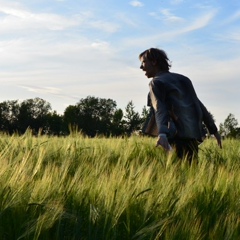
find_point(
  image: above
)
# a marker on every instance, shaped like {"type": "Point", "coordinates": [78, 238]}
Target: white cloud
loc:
{"type": "Point", "coordinates": [136, 4]}
{"type": "Point", "coordinates": [167, 35]}
{"type": "Point", "coordinates": [101, 45]}
{"type": "Point", "coordinates": [109, 27]}
{"type": "Point", "coordinates": [169, 17]}
{"type": "Point", "coordinates": [15, 18]}
{"type": "Point", "coordinates": [195, 24]}
{"type": "Point", "coordinates": [234, 36]}
{"type": "Point", "coordinates": [125, 18]}
{"type": "Point", "coordinates": [233, 18]}
{"type": "Point", "coordinates": [44, 90]}
{"type": "Point", "coordinates": [200, 22]}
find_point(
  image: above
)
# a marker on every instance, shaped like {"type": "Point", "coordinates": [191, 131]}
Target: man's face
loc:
{"type": "Point", "coordinates": [148, 67]}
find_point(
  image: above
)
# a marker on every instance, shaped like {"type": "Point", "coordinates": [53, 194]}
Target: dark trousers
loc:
{"type": "Point", "coordinates": [185, 148]}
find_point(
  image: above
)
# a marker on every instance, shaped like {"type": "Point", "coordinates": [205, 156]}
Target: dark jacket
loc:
{"type": "Point", "coordinates": [176, 108]}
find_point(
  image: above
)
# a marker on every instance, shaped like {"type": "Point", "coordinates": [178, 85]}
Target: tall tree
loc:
{"type": "Point", "coordinates": [230, 127]}
{"type": "Point", "coordinates": [132, 119]}
{"type": "Point", "coordinates": [117, 123]}
{"type": "Point", "coordinates": [55, 124]}
{"type": "Point", "coordinates": [9, 111]}
{"type": "Point", "coordinates": [92, 115]}
{"type": "Point", "coordinates": [33, 114]}
{"type": "Point", "coordinates": [71, 117]}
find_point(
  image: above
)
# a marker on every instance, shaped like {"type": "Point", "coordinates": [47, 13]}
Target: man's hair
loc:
{"type": "Point", "coordinates": [158, 56]}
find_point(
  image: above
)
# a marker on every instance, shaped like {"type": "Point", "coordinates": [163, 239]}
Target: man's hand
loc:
{"type": "Point", "coordinates": [163, 142]}
{"type": "Point", "coordinates": [219, 139]}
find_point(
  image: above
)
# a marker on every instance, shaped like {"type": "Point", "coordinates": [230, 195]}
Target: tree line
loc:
{"type": "Point", "coordinates": [229, 128]}
{"type": "Point", "coordinates": [91, 115]}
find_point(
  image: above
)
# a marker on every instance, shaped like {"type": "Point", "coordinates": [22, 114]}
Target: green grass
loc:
{"type": "Point", "coordinates": [116, 188]}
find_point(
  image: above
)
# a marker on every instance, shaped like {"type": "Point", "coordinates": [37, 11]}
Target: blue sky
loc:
{"type": "Point", "coordinates": [65, 50]}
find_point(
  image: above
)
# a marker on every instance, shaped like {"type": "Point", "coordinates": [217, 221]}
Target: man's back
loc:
{"type": "Point", "coordinates": [177, 97]}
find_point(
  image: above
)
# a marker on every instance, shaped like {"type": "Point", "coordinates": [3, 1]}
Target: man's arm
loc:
{"type": "Point", "coordinates": [158, 96]}
{"type": "Point", "coordinates": [209, 122]}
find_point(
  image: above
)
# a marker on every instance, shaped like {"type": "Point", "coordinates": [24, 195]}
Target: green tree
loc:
{"type": "Point", "coordinates": [93, 115]}
{"type": "Point", "coordinates": [9, 111]}
{"type": "Point", "coordinates": [117, 123]}
{"type": "Point", "coordinates": [230, 127]}
{"type": "Point", "coordinates": [55, 124]}
{"type": "Point", "coordinates": [132, 119]}
{"type": "Point", "coordinates": [33, 113]}
{"type": "Point", "coordinates": [71, 117]}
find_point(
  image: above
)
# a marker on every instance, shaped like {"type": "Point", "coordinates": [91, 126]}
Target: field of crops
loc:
{"type": "Point", "coordinates": [116, 188]}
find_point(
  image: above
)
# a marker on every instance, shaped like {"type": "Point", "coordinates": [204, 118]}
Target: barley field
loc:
{"type": "Point", "coordinates": [116, 189]}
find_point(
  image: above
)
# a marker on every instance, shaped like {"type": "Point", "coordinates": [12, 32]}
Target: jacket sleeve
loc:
{"type": "Point", "coordinates": [208, 119]}
{"type": "Point", "coordinates": [158, 97]}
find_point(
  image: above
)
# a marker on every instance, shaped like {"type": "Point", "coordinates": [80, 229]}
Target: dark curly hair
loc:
{"type": "Point", "coordinates": [159, 56]}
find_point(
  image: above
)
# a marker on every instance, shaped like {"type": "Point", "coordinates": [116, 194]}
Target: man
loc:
{"type": "Point", "coordinates": [178, 114]}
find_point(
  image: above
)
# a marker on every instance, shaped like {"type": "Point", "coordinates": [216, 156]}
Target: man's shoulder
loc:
{"type": "Point", "coordinates": [177, 75]}
{"type": "Point", "coordinates": [169, 75]}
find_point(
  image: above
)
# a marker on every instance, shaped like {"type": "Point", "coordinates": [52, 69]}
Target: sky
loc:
{"type": "Point", "coordinates": [65, 50]}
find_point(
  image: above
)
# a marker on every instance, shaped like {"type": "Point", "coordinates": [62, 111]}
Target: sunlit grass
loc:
{"type": "Point", "coordinates": [117, 188]}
